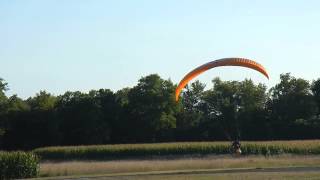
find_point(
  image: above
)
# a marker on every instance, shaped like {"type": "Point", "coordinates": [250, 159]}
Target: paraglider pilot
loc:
{"type": "Point", "coordinates": [236, 147]}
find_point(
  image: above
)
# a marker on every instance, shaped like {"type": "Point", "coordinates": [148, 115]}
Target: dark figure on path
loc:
{"type": "Point", "coordinates": [236, 147]}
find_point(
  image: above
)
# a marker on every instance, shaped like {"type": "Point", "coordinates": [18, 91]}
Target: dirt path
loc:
{"type": "Point", "coordinates": [198, 172]}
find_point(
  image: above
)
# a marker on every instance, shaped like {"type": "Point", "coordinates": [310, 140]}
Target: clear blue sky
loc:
{"type": "Point", "coordinates": [81, 45]}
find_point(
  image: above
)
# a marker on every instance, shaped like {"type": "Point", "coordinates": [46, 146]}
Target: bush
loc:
{"type": "Point", "coordinates": [18, 165]}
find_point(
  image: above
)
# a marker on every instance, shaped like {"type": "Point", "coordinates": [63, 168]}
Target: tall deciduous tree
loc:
{"type": "Point", "coordinates": [228, 102]}
{"type": "Point", "coordinates": [42, 101]}
{"type": "Point", "coordinates": [316, 92]}
{"type": "Point", "coordinates": [3, 108]}
{"type": "Point", "coordinates": [291, 104]}
{"type": "Point", "coordinates": [31, 123]}
{"type": "Point", "coordinates": [190, 116]}
{"type": "Point", "coordinates": [83, 117]}
{"type": "Point", "coordinates": [3, 97]}
{"type": "Point", "coordinates": [152, 109]}
{"type": "Point", "coordinates": [120, 124]}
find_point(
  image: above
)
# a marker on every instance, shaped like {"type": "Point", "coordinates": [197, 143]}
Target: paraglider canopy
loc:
{"type": "Point", "coordinates": [220, 62]}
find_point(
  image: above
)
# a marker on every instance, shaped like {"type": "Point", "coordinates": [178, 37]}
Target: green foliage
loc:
{"type": "Point", "coordinates": [228, 104]}
{"type": "Point", "coordinates": [292, 106]}
{"type": "Point", "coordinates": [3, 109]}
{"type": "Point", "coordinates": [3, 87]}
{"type": "Point", "coordinates": [18, 165]}
{"type": "Point", "coordinates": [292, 99]}
{"type": "Point", "coordinates": [16, 104]}
{"type": "Point", "coordinates": [3, 97]}
{"type": "Point", "coordinates": [151, 108]}
{"type": "Point", "coordinates": [191, 114]}
{"type": "Point", "coordinates": [86, 118]}
{"type": "Point", "coordinates": [167, 149]}
{"type": "Point", "coordinates": [316, 92]}
{"type": "Point", "coordinates": [42, 101]}
{"type": "Point", "coordinates": [148, 112]}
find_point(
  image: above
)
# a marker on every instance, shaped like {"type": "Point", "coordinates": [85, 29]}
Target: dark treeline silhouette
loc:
{"type": "Point", "coordinates": [148, 112]}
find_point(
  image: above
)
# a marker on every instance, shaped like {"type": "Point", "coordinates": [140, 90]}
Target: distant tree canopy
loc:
{"type": "Point", "coordinates": [233, 104]}
{"type": "Point", "coordinates": [151, 109]}
{"type": "Point", "coordinates": [148, 112]}
{"type": "Point", "coordinates": [316, 93]}
{"type": "Point", "coordinates": [293, 108]}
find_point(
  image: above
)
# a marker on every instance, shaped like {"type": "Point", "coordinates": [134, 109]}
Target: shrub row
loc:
{"type": "Point", "coordinates": [18, 165]}
{"type": "Point", "coordinates": [100, 152]}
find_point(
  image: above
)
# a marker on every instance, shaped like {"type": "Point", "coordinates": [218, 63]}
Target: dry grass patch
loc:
{"type": "Point", "coordinates": [209, 162]}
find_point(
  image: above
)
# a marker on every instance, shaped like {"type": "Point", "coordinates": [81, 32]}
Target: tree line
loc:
{"type": "Point", "coordinates": [148, 112]}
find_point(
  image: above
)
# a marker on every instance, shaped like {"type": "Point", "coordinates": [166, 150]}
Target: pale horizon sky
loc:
{"type": "Point", "coordinates": [58, 45]}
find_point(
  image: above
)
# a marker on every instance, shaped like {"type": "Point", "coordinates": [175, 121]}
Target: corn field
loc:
{"type": "Point", "coordinates": [121, 151]}
{"type": "Point", "coordinates": [18, 165]}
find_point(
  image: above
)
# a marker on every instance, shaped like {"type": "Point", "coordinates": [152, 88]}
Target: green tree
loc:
{"type": "Point", "coordinates": [291, 105]}
{"type": "Point", "coordinates": [85, 118]}
{"type": "Point", "coordinates": [3, 108]}
{"type": "Point", "coordinates": [111, 109]}
{"type": "Point", "coordinates": [122, 96]}
{"type": "Point", "coordinates": [31, 123]}
{"type": "Point", "coordinates": [191, 114]}
{"type": "Point", "coordinates": [42, 101]}
{"type": "Point", "coordinates": [3, 97]}
{"type": "Point", "coordinates": [151, 109]}
{"type": "Point", "coordinates": [229, 104]}
{"type": "Point", "coordinates": [16, 104]}
{"type": "Point", "coordinates": [3, 88]}
{"type": "Point", "coordinates": [316, 92]}
{"type": "Point", "coordinates": [120, 123]}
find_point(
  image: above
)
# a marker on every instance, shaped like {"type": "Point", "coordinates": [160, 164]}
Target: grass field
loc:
{"type": "Point", "coordinates": [135, 158]}
{"type": "Point", "coordinates": [210, 162]}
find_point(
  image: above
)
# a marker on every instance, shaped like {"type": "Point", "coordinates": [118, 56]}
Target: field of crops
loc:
{"type": "Point", "coordinates": [122, 151]}
{"type": "Point", "coordinates": [18, 165]}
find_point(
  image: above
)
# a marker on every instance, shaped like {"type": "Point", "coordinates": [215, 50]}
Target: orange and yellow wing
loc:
{"type": "Point", "coordinates": [220, 62]}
